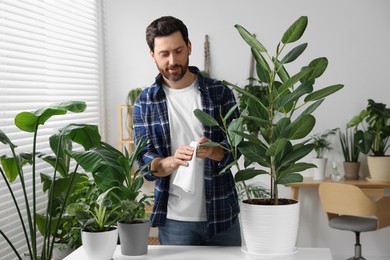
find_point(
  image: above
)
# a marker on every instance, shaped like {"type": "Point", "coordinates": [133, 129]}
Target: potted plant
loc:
{"type": "Point", "coordinates": [351, 153]}
{"type": "Point", "coordinates": [321, 146]}
{"type": "Point", "coordinates": [97, 215]}
{"type": "Point", "coordinates": [111, 168]}
{"type": "Point", "coordinates": [283, 122]}
{"type": "Point", "coordinates": [372, 138]}
{"type": "Point", "coordinates": [15, 165]}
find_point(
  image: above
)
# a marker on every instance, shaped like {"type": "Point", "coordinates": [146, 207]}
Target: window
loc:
{"type": "Point", "coordinates": [49, 52]}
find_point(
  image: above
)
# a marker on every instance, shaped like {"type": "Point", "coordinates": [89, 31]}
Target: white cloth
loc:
{"type": "Point", "coordinates": [185, 176]}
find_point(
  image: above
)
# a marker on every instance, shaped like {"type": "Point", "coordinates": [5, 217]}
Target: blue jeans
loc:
{"type": "Point", "coordinates": [193, 233]}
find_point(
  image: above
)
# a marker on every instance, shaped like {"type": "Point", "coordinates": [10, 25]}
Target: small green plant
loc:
{"type": "Point", "coordinates": [347, 141]}
{"type": "Point", "coordinates": [111, 168]}
{"type": "Point", "coordinates": [322, 143]}
{"type": "Point", "coordinates": [375, 128]}
{"type": "Point", "coordinates": [96, 216]}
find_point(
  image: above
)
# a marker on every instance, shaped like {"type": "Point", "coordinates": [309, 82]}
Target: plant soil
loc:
{"type": "Point", "coordinates": [270, 202]}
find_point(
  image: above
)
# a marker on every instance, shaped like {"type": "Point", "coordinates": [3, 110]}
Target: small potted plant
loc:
{"type": "Point", "coordinates": [97, 215]}
{"type": "Point", "coordinates": [372, 138]}
{"type": "Point", "coordinates": [350, 152]}
{"type": "Point", "coordinates": [321, 146]}
{"type": "Point", "coordinates": [111, 168]}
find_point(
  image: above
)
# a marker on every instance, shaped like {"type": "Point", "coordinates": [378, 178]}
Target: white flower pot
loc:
{"type": "Point", "coordinates": [269, 230]}
{"type": "Point", "coordinates": [100, 245]}
{"type": "Point", "coordinates": [319, 172]}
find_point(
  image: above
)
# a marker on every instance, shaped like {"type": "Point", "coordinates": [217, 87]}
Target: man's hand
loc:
{"type": "Point", "coordinates": [166, 166]}
{"type": "Point", "coordinates": [215, 153]}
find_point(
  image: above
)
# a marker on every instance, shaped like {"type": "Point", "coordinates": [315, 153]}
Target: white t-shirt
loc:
{"type": "Point", "coordinates": [185, 128]}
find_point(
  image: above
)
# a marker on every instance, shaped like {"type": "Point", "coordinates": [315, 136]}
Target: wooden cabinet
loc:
{"type": "Point", "coordinates": [125, 127]}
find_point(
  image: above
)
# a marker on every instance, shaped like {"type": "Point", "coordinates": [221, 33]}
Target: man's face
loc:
{"type": "Point", "coordinates": [171, 56]}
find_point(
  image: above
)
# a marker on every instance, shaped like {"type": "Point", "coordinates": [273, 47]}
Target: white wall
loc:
{"type": "Point", "coordinates": [353, 34]}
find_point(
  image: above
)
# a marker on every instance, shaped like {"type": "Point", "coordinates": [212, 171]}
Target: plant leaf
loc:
{"type": "Point", "coordinates": [324, 92]}
{"type": "Point", "coordinates": [295, 31]}
{"type": "Point", "coordinates": [250, 39]}
{"type": "Point", "coordinates": [294, 53]}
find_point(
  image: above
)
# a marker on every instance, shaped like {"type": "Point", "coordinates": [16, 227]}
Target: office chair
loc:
{"type": "Point", "coordinates": [349, 208]}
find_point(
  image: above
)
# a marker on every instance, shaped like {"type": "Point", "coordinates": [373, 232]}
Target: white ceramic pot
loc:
{"type": "Point", "coordinates": [100, 245]}
{"type": "Point", "coordinates": [269, 230]}
{"type": "Point", "coordinates": [319, 172]}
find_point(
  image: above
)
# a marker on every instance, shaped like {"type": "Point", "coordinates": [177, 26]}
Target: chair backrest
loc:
{"type": "Point", "coordinates": [345, 199]}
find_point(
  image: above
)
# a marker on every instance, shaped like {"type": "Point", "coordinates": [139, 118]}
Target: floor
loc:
{"type": "Point", "coordinates": [153, 241]}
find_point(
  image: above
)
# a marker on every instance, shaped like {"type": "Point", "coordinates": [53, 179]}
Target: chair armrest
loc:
{"type": "Point", "coordinates": [383, 212]}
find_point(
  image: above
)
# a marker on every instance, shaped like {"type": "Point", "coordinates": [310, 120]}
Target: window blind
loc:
{"type": "Point", "coordinates": [49, 52]}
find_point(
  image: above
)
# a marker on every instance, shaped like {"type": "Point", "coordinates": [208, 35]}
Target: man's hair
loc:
{"type": "Point", "coordinates": [164, 26]}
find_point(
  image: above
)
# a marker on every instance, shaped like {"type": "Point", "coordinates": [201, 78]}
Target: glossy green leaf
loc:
{"type": "Point", "coordinates": [322, 93]}
{"type": "Point", "coordinates": [262, 68]}
{"type": "Point", "coordinates": [294, 53]}
{"type": "Point", "coordinates": [250, 39]}
{"type": "Point", "coordinates": [301, 127]}
{"type": "Point", "coordinates": [205, 118]}
{"type": "Point", "coordinates": [10, 168]}
{"type": "Point", "coordinates": [295, 31]}
{"type": "Point", "coordinates": [290, 178]}
{"type": "Point", "coordinates": [86, 135]}
{"type": "Point", "coordinates": [318, 67]}
{"type": "Point", "coordinates": [254, 152]}
{"type": "Point", "coordinates": [297, 154]}
{"type": "Point", "coordinates": [276, 147]}
{"type": "Point", "coordinates": [29, 121]}
{"type": "Point", "coordinates": [247, 174]}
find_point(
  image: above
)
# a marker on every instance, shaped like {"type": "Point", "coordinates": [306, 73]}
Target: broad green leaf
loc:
{"type": "Point", "coordinates": [290, 178]}
{"type": "Point", "coordinates": [248, 174]}
{"type": "Point", "coordinates": [257, 109]}
{"type": "Point", "coordinates": [297, 154]}
{"type": "Point", "coordinates": [254, 152]}
{"type": "Point", "coordinates": [29, 121]}
{"type": "Point", "coordinates": [234, 126]}
{"type": "Point", "coordinates": [276, 147]}
{"type": "Point", "coordinates": [230, 112]}
{"type": "Point", "coordinates": [324, 92]}
{"type": "Point", "coordinates": [205, 118]}
{"type": "Point", "coordinates": [262, 68]}
{"type": "Point", "coordinates": [364, 140]}
{"type": "Point", "coordinates": [301, 127]}
{"type": "Point", "coordinates": [294, 53]}
{"type": "Point", "coordinates": [86, 135]}
{"type": "Point", "coordinates": [250, 39]}
{"type": "Point", "coordinates": [281, 129]}
{"type": "Point", "coordinates": [318, 66]}
{"type": "Point", "coordinates": [295, 31]}
{"type": "Point", "coordinates": [297, 167]}
{"type": "Point", "coordinates": [294, 79]}
{"type": "Point", "coordinates": [310, 109]}
{"type": "Point", "coordinates": [5, 140]}
{"type": "Point", "coordinates": [287, 100]}
{"type": "Point", "coordinates": [62, 168]}
{"type": "Point", "coordinates": [281, 71]}
{"type": "Point", "coordinates": [10, 168]}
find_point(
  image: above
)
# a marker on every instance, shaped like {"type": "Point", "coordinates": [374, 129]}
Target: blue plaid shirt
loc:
{"type": "Point", "coordinates": [150, 121]}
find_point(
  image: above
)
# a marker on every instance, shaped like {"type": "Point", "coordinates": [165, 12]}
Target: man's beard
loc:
{"type": "Point", "coordinates": [174, 77]}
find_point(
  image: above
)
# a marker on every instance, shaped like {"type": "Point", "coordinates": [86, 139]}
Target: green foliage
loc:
{"type": "Point", "coordinates": [58, 186]}
{"type": "Point", "coordinates": [281, 116]}
{"type": "Point", "coordinates": [375, 128]}
{"type": "Point", "coordinates": [347, 141]}
{"type": "Point", "coordinates": [321, 142]}
{"type": "Point", "coordinates": [111, 168]}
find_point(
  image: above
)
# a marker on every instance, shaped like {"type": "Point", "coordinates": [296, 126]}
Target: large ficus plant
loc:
{"type": "Point", "coordinates": [284, 115]}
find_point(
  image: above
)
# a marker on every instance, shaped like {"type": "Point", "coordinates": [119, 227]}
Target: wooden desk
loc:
{"type": "Point", "coordinates": [206, 252]}
{"type": "Point", "coordinates": [375, 189]}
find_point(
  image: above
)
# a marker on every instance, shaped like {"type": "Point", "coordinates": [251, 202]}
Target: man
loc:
{"type": "Point", "coordinates": [163, 115]}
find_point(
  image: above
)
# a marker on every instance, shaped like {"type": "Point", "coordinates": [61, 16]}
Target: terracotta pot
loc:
{"type": "Point", "coordinates": [351, 170]}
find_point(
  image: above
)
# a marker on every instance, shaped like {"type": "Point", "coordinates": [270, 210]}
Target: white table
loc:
{"type": "Point", "coordinates": [206, 253]}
